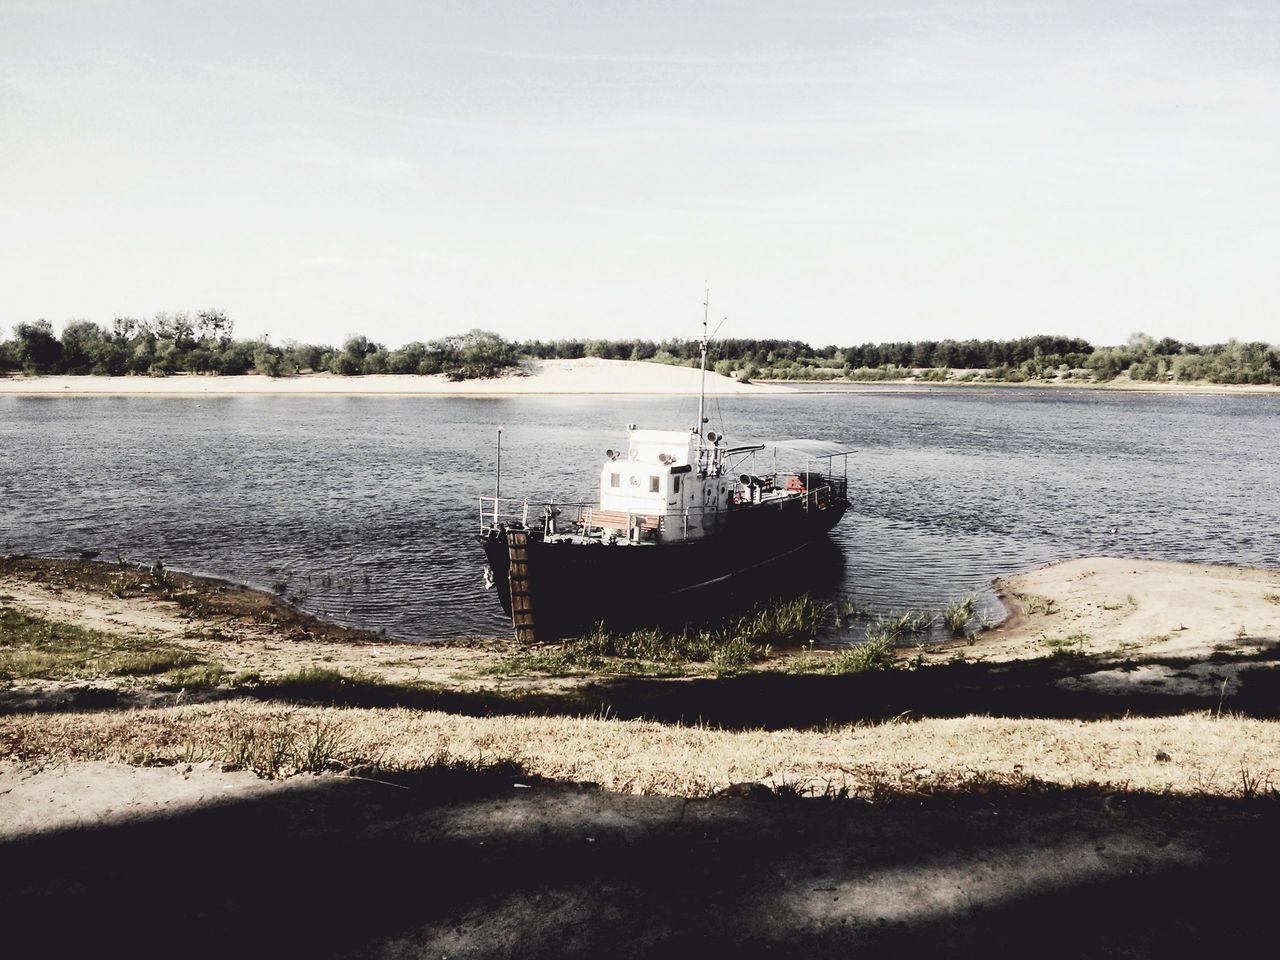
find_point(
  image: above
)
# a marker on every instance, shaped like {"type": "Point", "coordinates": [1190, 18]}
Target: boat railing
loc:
{"type": "Point", "coordinates": [512, 512]}
{"type": "Point", "coordinates": [839, 486]}
{"type": "Point", "coordinates": [496, 511]}
{"type": "Point", "coordinates": [588, 517]}
{"type": "Point", "coordinates": [810, 485]}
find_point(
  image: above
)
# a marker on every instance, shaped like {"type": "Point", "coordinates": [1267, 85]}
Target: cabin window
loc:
{"type": "Point", "coordinates": [675, 484]}
{"type": "Point", "coordinates": [654, 484]}
{"type": "Point", "coordinates": [614, 480]}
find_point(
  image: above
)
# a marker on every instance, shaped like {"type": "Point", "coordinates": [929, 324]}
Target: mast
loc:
{"type": "Point", "coordinates": [702, 384]}
{"type": "Point", "coordinates": [497, 478]}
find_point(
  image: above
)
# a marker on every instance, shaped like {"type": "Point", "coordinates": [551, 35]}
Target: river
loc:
{"type": "Point", "coordinates": [364, 509]}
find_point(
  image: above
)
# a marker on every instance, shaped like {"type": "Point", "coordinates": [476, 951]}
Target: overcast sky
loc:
{"type": "Point", "coordinates": [837, 172]}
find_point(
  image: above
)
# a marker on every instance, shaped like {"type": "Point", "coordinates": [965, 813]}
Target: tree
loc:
{"type": "Point", "coordinates": [82, 343]}
{"type": "Point", "coordinates": [484, 354]}
{"type": "Point", "coordinates": [302, 356]}
{"type": "Point", "coordinates": [267, 360]}
{"type": "Point", "coordinates": [38, 350]}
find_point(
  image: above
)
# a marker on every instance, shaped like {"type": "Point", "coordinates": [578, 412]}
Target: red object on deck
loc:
{"type": "Point", "coordinates": [795, 483]}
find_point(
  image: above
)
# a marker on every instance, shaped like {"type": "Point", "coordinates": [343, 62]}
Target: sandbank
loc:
{"type": "Point", "coordinates": [1121, 384]}
{"type": "Point", "coordinates": [1148, 625]}
{"type": "Point", "coordinates": [589, 376]}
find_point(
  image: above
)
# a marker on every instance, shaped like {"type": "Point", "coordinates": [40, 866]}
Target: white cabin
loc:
{"type": "Point", "coordinates": [667, 476]}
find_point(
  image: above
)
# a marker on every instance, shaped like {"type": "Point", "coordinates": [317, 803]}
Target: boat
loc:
{"type": "Point", "coordinates": [679, 513]}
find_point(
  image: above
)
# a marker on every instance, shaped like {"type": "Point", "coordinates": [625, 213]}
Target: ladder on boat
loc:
{"type": "Point", "coordinates": [518, 581]}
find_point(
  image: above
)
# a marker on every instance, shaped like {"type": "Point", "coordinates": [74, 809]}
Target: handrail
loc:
{"type": "Point", "coordinates": [495, 511]}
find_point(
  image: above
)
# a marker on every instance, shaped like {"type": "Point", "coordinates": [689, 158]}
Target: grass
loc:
{"type": "Point", "coordinates": [874, 760]}
{"type": "Point", "coordinates": [876, 653]}
{"type": "Point", "coordinates": [198, 676]}
{"type": "Point", "coordinates": [316, 683]}
{"type": "Point", "coordinates": [1069, 645]}
{"type": "Point", "coordinates": [899, 627]}
{"type": "Point", "coordinates": [327, 685]}
{"type": "Point", "coordinates": [33, 648]}
{"type": "Point", "coordinates": [1033, 604]}
{"type": "Point", "coordinates": [728, 648]}
{"type": "Point", "coordinates": [736, 645]}
{"type": "Point", "coordinates": [280, 750]}
{"type": "Point", "coordinates": [959, 614]}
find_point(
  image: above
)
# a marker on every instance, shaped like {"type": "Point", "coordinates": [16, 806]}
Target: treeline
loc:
{"type": "Point", "coordinates": [1038, 358]}
{"type": "Point", "coordinates": [204, 342]}
{"type": "Point", "coordinates": [786, 359]}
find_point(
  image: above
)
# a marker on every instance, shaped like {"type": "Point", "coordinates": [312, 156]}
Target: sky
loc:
{"type": "Point", "coordinates": [834, 172]}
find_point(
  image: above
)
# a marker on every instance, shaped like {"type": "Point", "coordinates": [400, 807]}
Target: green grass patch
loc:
{"type": "Point", "coordinates": [875, 653]}
{"type": "Point", "coordinates": [147, 662]}
{"type": "Point", "coordinates": [33, 648]}
{"type": "Point", "coordinates": [200, 676]}
{"type": "Point", "coordinates": [322, 679]}
{"type": "Point", "coordinates": [327, 685]}
{"type": "Point", "coordinates": [728, 648]}
{"type": "Point", "coordinates": [566, 661]}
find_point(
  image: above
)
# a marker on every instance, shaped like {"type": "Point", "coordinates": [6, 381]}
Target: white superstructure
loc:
{"type": "Point", "coordinates": [667, 475]}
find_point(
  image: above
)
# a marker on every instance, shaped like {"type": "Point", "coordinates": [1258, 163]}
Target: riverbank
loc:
{"type": "Point", "coordinates": [1113, 745]}
{"type": "Point", "coordinates": [1121, 384]}
{"type": "Point", "coordinates": [590, 376]}
{"type": "Point", "coordinates": [1087, 640]}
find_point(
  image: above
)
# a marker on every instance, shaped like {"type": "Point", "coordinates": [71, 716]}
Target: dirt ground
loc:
{"type": "Point", "coordinates": [465, 865]}
{"type": "Point", "coordinates": [1099, 777]}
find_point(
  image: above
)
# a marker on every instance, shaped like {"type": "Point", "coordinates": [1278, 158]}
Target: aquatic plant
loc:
{"type": "Point", "coordinates": [900, 626]}
{"type": "Point", "coordinates": [959, 614]}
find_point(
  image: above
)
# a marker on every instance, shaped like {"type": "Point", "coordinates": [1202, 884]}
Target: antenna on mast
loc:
{"type": "Point", "coordinates": [702, 384]}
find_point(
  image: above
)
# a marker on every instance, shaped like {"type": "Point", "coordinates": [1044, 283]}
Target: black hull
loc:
{"type": "Point", "coordinates": [574, 585]}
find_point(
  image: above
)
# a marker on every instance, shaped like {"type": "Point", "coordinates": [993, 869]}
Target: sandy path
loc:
{"type": "Point", "coordinates": [38, 798]}
{"type": "Point", "coordinates": [590, 375]}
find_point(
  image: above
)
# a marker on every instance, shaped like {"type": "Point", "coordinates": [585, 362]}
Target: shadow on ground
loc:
{"type": "Point", "coordinates": [1043, 688]}
{"type": "Point", "coordinates": [468, 865]}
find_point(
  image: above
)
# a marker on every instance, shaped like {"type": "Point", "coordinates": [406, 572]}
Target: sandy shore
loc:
{"type": "Point", "coordinates": [1119, 385]}
{"type": "Point", "coordinates": [1099, 637]}
{"type": "Point", "coordinates": [1220, 619]}
{"type": "Point", "coordinates": [587, 376]}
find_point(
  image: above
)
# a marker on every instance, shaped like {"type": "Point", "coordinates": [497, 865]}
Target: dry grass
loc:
{"type": "Point", "coordinates": [1192, 754]}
